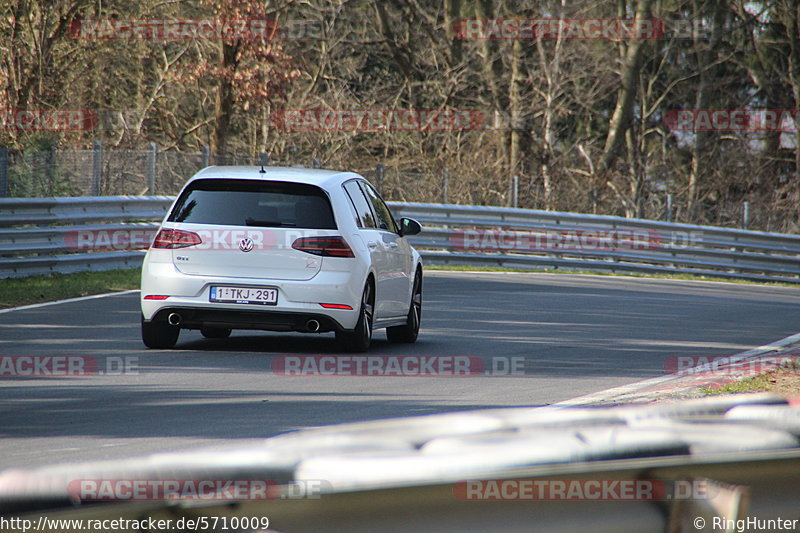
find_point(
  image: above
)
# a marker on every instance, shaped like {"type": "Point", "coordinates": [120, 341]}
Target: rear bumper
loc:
{"type": "Point", "coordinates": [298, 301]}
{"type": "Point", "coordinates": [197, 318]}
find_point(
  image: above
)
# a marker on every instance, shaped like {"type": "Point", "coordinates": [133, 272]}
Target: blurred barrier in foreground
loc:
{"type": "Point", "coordinates": [723, 463]}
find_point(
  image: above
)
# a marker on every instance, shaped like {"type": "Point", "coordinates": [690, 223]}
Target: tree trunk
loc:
{"type": "Point", "coordinates": [452, 13]}
{"type": "Point", "coordinates": [224, 102]}
{"type": "Point", "coordinates": [492, 69]}
{"type": "Point", "coordinates": [706, 76]}
{"type": "Point", "coordinates": [623, 110]}
{"type": "Point", "coordinates": [792, 29]}
{"type": "Point", "coordinates": [518, 131]}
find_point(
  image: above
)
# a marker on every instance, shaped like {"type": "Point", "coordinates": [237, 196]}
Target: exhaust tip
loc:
{"type": "Point", "coordinates": [312, 326]}
{"type": "Point", "coordinates": [174, 319]}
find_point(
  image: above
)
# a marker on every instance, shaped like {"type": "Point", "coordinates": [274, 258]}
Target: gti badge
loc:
{"type": "Point", "coordinates": [246, 244]}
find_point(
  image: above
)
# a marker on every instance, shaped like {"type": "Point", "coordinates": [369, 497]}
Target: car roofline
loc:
{"type": "Point", "coordinates": [309, 176]}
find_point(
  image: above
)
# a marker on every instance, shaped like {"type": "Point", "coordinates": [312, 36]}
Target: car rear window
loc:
{"type": "Point", "coordinates": [254, 203]}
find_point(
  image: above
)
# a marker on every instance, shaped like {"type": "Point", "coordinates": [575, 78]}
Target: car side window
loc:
{"type": "Point", "coordinates": [364, 216]}
{"type": "Point", "coordinates": [385, 219]}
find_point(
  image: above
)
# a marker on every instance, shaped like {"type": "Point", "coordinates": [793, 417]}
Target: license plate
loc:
{"type": "Point", "coordinates": [244, 295]}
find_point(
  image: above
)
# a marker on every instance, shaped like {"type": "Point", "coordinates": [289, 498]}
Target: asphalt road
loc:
{"type": "Point", "coordinates": [573, 334]}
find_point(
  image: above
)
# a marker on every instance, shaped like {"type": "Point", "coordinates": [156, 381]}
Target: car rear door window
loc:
{"type": "Point", "coordinates": [381, 210]}
{"type": "Point", "coordinates": [254, 203]}
{"type": "Point", "coordinates": [364, 216]}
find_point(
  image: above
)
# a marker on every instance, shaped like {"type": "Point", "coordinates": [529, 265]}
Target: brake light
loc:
{"type": "Point", "coordinates": [324, 246]}
{"type": "Point", "coordinates": [336, 306]}
{"type": "Point", "coordinates": [175, 238]}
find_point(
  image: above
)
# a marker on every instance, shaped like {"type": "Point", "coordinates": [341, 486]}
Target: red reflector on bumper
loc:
{"type": "Point", "coordinates": [156, 297]}
{"type": "Point", "coordinates": [336, 306]}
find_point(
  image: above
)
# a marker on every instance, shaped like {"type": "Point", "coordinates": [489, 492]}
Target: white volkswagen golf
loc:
{"type": "Point", "coordinates": [281, 249]}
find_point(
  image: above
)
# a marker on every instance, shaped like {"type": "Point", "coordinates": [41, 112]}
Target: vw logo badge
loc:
{"type": "Point", "coordinates": [246, 244]}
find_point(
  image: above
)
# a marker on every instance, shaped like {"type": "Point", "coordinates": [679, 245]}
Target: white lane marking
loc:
{"type": "Point", "coordinates": [742, 282]}
{"type": "Point", "coordinates": [68, 300]}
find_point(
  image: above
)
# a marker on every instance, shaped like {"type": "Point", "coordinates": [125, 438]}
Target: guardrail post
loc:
{"type": "Point", "coordinates": [206, 156]}
{"type": "Point", "coordinates": [50, 169]}
{"type": "Point", "coordinates": [668, 210]}
{"type": "Point", "coordinates": [379, 177]}
{"type": "Point", "coordinates": [446, 179]}
{"type": "Point", "coordinates": [97, 168]}
{"type": "Point", "coordinates": [3, 171]}
{"type": "Point", "coordinates": [514, 191]}
{"type": "Point", "coordinates": [151, 168]}
{"type": "Point", "coordinates": [746, 215]}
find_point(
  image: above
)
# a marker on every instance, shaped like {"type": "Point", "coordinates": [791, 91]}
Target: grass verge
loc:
{"type": "Point", "coordinates": [759, 383]}
{"type": "Point", "coordinates": [783, 381]}
{"type": "Point", "coordinates": [35, 289]}
{"type": "Point", "coordinates": [694, 277]}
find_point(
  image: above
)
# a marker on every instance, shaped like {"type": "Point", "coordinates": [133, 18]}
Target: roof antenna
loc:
{"type": "Point", "coordinates": [264, 162]}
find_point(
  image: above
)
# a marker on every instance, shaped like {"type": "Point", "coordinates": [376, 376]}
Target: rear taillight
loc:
{"type": "Point", "coordinates": [324, 246]}
{"type": "Point", "coordinates": [175, 238]}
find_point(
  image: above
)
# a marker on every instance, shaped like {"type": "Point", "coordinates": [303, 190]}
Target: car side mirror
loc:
{"type": "Point", "coordinates": [409, 226]}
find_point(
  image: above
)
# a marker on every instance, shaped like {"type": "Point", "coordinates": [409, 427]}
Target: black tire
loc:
{"type": "Point", "coordinates": [409, 332]}
{"type": "Point", "coordinates": [215, 333]}
{"type": "Point", "coordinates": [360, 338]}
{"type": "Point", "coordinates": [159, 335]}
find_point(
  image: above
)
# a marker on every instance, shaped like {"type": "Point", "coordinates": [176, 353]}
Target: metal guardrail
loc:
{"type": "Point", "coordinates": [525, 238]}
{"type": "Point", "coordinates": [42, 235]}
